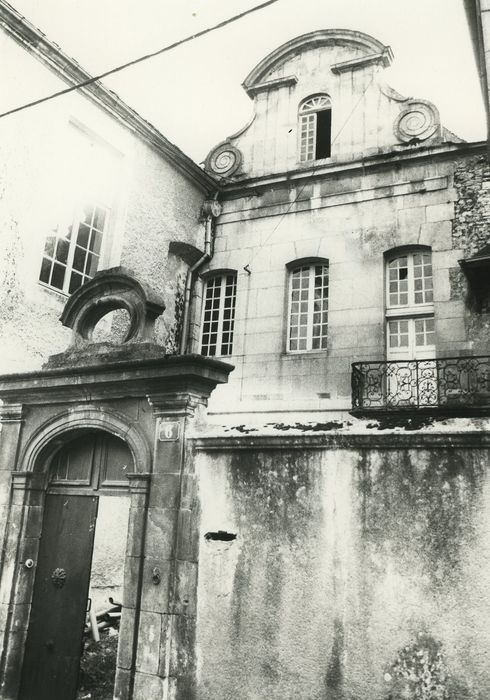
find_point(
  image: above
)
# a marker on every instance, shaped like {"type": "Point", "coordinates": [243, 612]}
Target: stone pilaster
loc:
{"type": "Point", "coordinates": [139, 485]}
{"type": "Point", "coordinates": [165, 663]}
{"type": "Point", "coordinates": [22, 537]}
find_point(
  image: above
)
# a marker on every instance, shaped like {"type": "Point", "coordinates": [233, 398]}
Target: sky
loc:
{"type": "Point", "coordinates": [193, 94]}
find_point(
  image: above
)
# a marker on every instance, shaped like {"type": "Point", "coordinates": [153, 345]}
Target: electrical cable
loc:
{"type": "Point", "coordinates": [135, 61]}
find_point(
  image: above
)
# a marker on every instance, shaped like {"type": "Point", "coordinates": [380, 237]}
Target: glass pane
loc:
{"type": "Point", "coordinates": [45, 270]}
{"type": "Point", "coordinates": [62, 250]}
{"type": "Point", "coordinates": [49, 246]}
{"type": "Point", "coordinates": [83, 235]}
{"type": "Point", "coordinates": [74, 462]}
{"type": "Point", "coordinates": [58, 276]}
{"type": "Point", "coordinates": [118, 463]}
{"type": "Point", "coordinates": [92, 264]}
{"type": "Point", "coordinates": [79, 259]}
{"type": "Point", "coordinates": [96, 242]}
{"type": "Point", "coordinates": [76, 281]}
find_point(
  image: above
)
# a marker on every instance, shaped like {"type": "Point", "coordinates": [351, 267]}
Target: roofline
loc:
{"type": "Point", "coordinates": [369, 162]}
{"type": "Point", "coordinates": [317, 38]}
{"type": "Point", "coordinates": [35, 42]}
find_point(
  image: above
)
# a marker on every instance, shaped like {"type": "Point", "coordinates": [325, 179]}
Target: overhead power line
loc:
{"type": "Point", "coordinates": [135, 61]}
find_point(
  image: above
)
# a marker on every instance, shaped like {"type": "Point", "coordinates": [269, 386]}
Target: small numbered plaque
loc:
{"type": "Point", "coordinates": [169, 431]}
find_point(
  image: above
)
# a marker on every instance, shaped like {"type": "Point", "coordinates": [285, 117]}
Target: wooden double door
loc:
{"type": "Point", "coordinates": [89, 465]}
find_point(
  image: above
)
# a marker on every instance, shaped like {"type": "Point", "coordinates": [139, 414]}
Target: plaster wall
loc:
{"type": "Point", "coordinates": [42, 181]}
{"type": "Point", "coordinates": [352, 219]}
{"type": "Point", "coordinates": [346, 564]}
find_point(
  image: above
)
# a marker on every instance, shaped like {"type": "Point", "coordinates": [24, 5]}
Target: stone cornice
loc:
{"type": "Point", "coordinates": [273, 84]}
{"type": "Point", "coordinates": [66, 68]}
{"type": "Point", "coordinates": [383, 58]}
{"type": "Point", "coordinates": [192, 374]}
{"type": "Point", "coordinates": [382, 440]}
{"type": "Point", "coordinates": [322, 37]}
{"type": "Point", "coordinates": [388, 159]}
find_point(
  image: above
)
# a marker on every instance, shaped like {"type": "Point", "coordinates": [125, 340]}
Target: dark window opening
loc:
{"type": "Point", "coordinates": [323, 134]}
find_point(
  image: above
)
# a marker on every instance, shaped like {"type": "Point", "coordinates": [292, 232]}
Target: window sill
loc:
{"type": "Point", "coordinates": [53, 290]}
{"type": "Point", "coordinates": [415, 310]}
{"type": "Point", "coordinates": [303, 353]}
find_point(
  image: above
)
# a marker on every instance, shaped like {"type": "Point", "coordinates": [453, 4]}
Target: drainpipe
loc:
{"type": "Point", "coordinates": [210, 210]}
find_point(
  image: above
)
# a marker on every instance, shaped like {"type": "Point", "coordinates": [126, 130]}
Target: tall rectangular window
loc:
{"type": "Point", "coordinates": [89, 172]}
{"type": "Point", "coordinates": [410, 306]}
{"type": "Point", "coordinates": [308, 307]}
{"type": "Point", "coordinates": [72, 257]}
{"type": "Point", "coordinates": [218, 317]}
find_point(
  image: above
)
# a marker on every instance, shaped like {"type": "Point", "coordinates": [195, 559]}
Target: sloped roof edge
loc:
{"type": "Point", "coordinates": [66, 68]}
{"type": "Point", "coordinates": [321, 37]}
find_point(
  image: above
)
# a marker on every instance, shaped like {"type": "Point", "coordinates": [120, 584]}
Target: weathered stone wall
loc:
{"type": "Point", "coordinates": [351, 570]}
{"type": "Point", "coordinates": [470, 234]}
{"type": "Point", "coordinates": [352, 218]}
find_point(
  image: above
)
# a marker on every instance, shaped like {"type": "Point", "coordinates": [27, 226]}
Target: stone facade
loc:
{"type": "Point", "coordinates": [287, 546]}
{"type": "Point", "coordinates": [347, 569]}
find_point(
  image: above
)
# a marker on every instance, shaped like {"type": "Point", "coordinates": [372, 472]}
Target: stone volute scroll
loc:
{"type": "Point", "coordinates": [418, 121]}
{"type": "Point", "coordinates": [112, 290]}
{"type": "Point", "coordinates": [225, 160]}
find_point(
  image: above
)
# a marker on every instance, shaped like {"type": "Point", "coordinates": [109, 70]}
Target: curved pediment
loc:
{"type": "Point", "coordinates": [362, 43]}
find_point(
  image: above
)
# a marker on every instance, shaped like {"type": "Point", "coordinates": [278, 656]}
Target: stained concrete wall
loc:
{"type": "Point", "coordinates": [41, 182]}
{"type": "Point", "coordinates": [351, 571]}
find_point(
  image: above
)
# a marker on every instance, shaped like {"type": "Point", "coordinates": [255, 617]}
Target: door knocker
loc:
{"type": "Point", "coordinates": [58, 577]}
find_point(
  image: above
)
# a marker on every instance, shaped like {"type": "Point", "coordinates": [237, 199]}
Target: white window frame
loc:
{"type": "Point", "coordinates": [220, 320]}
{"type": "Point", "coordinates": [323, 337]}
{"type": "Point", "coordinates": [307, 125]}
{"type": "Point", "coordinates": [77, 222]}
{"type": "Point", "coordinates": [409, 312]}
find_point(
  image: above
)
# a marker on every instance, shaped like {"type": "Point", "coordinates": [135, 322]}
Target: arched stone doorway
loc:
{"type": "Point", "coordinates": [85, 470]}
{"type": "Point", "coordinates": [150, 401]}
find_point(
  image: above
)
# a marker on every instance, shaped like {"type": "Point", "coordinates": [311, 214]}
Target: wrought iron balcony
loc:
{"type": "Point", "coordinates": [452, 383]}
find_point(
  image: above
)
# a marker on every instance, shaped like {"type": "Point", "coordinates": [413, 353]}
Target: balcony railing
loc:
{"type": "Point", "coordinates": [450, 382]}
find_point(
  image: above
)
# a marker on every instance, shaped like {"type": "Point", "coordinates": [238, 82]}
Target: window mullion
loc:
{"type": "Point", "coordinates": [221, 311]}
{"type": "Point", "coordinates": [411, 280]}
{"type": "Point", "coordinates": [311, 305]}
{"type": "Point", "coordinates": [315, 129]}
{"type": "Point", "coordinates": [290, 308]}
{"type": "Point", "coordinates": [71, 251]}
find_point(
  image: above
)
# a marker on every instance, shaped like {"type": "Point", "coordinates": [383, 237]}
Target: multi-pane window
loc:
{"type": "Point", "coordinates": [218, 317]}
{"type": "Point", "coordinates": [308, 307]}
{"type": "Point", "coordinates": [72, 257]}
{"type": "Point", "coordinates": [420, 330]}
{"type": "Point", "coordinates": [315, 128]}
{"type": "Point", "coordinates": [410, 306]}
{"type": "Point", "coordinates": [410, 280]}
{"type": "Point", "coordinates": [88, 178]}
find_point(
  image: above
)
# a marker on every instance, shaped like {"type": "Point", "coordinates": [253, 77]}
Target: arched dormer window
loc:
{"type": "Point", "coordinates": [315, 128]}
